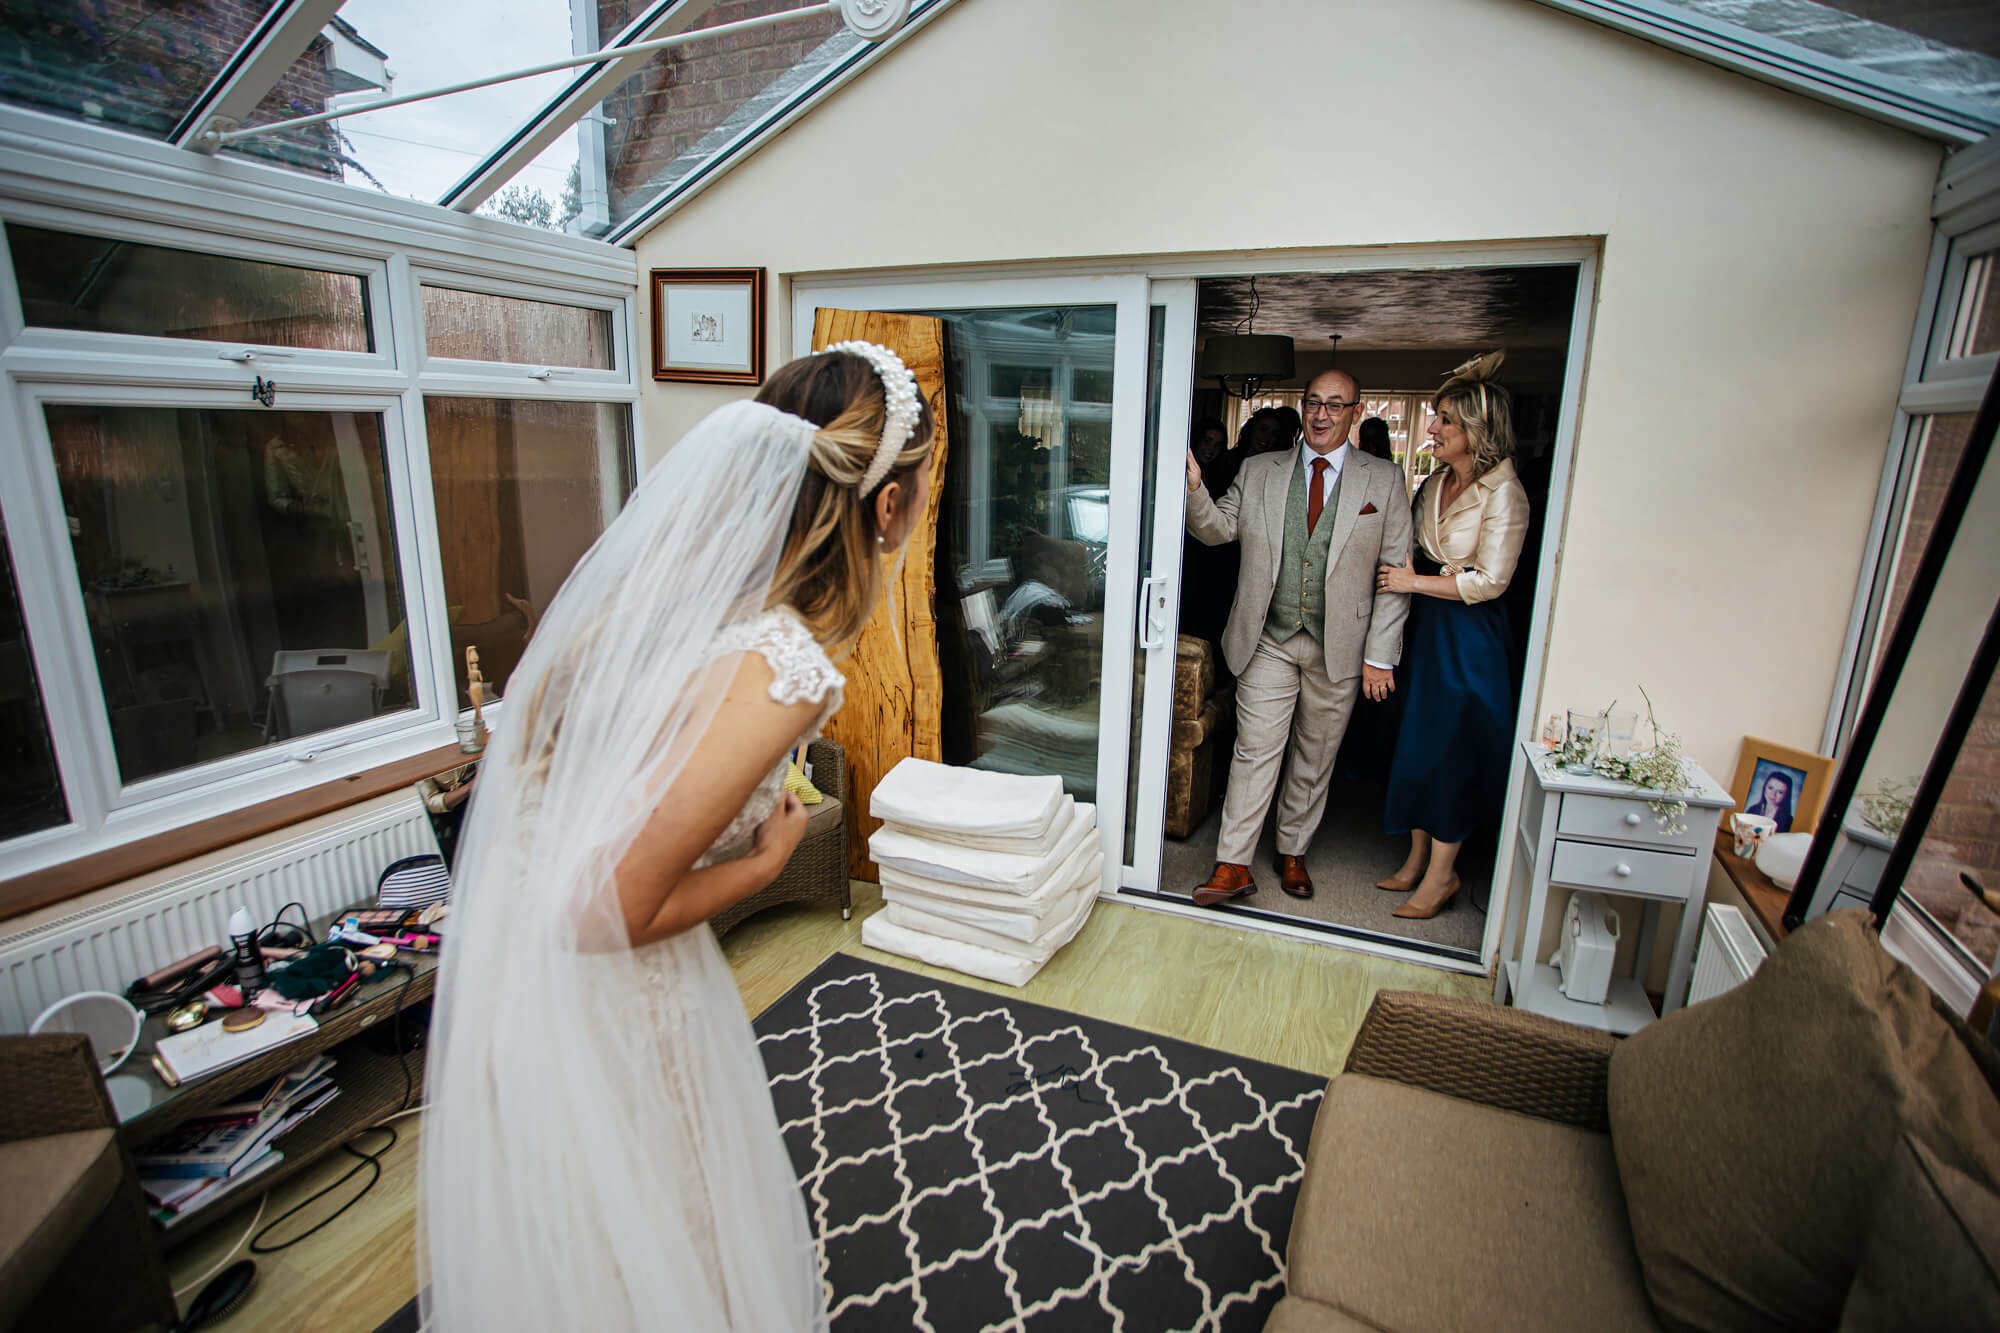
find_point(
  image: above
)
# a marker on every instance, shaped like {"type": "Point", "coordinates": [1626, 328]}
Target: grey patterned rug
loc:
{"type": "Point", "coordinates": [974, 1162]}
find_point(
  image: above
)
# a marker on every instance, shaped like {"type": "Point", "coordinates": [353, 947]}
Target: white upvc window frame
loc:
{"type": "Point", "coordinates": [1966, 213]}
{"type": "Point", "coordinates": [88, 180]}
{"type": "Point", "coordinates": [544, 379]}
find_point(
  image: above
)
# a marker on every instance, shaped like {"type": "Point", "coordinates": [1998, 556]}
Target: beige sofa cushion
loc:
{"type": "Point", "coordinates": [1296, 1314]}
{"type": "Point", "coordinates": [1932, 1260]}
{"type": "Point", "coordinates": [1425, 1212]}
{"type": "Point", "coordinates": [54, 1187]}
{"type": "Point", "coordinates": [1752, 1131]}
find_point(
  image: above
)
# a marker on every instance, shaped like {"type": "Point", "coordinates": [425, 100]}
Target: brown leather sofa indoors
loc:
{"type": "Point", "coordinates": [1818, 1148]}
{"type": "Point", "coordinates": [76, 1245]}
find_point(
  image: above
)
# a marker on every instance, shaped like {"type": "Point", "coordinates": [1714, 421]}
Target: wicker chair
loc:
{"type": "Point", "coordinates": [77, 1249]}
{"type": "Point", "coordinates": [817, 872]}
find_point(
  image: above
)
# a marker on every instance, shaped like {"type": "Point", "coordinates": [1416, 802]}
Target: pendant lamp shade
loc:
{"type": "Point", "coordinates": [1242, 361]}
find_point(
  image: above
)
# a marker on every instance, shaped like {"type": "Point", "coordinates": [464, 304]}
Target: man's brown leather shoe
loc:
{"type": "Point", "coordinates": [1229, 881]}
{"type": "Point", "coordinates": [1292, 876]}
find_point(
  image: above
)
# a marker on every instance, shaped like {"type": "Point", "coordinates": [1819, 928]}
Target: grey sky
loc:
{"type": "Point", "coordinates": [421, 150]}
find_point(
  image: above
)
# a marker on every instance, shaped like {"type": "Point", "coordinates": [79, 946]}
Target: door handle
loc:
{"type": "Point", "coordinates": [1152, 597]}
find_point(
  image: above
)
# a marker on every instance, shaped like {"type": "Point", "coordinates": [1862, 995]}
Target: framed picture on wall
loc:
{"type": "Point", "coordinates": [708, 325]}
{"type": "Point", "coordinates": [1781, 783]}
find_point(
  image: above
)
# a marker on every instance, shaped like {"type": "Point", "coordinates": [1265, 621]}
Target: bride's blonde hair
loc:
{"type": "Point", "coordinates": [831, 570]}
{"type": "Point", "coordinates": [1484, 408]}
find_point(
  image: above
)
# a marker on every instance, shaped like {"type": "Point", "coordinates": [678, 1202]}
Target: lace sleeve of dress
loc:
{"type": "Point", "coordinates": [800, 671]}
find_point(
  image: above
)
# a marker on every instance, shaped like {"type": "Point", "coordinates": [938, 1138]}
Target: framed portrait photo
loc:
{"type": "Point", "coordinates": [708, 325]}
{"type": "Point", "coordinates": [1783, 784]}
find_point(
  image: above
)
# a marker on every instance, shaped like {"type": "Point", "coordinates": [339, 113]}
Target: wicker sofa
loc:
{"type": "Point", "coordinates": [76, 1245]}
{"type": "Point", "coordinates": [1818, 1148]}
{"type": "Point", "coordinates": [817, 872]}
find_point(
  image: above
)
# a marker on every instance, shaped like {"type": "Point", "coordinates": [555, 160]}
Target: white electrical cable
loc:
{"type": "Point", "coordinates": [229, 1256]}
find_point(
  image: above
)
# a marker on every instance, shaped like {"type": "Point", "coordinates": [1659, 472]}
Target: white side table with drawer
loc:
{"type": "Point", "coordinates": [1589, 833]}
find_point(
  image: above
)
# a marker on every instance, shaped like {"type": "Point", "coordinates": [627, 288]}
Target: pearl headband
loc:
{"type": "Point", "coordinates": [899, 391]}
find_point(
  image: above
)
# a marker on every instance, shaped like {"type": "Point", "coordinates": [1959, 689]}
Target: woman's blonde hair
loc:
{"type": "Point", "coordinates": [830, 570]}
{"type": "Point", "coordinates": [1484, 409]}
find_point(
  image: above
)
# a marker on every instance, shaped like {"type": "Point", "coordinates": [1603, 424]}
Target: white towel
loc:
{"type": "Point", "coordinates": [966, 803]}
{"type": "Point", "coordinates": [879, 932]}
{"type": "Point", "coordinates": [1009, 872]}
{"type": "Point", "coordinates": [956, 927]}
{"type": "Point", "coordinates": [1019, 916]}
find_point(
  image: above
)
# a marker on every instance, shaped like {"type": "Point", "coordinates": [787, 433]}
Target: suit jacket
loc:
{"type": "Point", "coordinates": [1360, 622]}
{"type": "Point", "coordinates": [1478, 540]}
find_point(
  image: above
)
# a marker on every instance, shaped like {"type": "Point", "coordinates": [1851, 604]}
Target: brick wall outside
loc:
{"type": "Point", "coordinates": [302, 92]}
{"type": "Point", "coordinates": [1964, 834]}
{"type": "Point", "coordinates": [681, 95]}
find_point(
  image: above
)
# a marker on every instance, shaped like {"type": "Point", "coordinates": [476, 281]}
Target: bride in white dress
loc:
{"type": "Point", "coordinates": [600, 1150]}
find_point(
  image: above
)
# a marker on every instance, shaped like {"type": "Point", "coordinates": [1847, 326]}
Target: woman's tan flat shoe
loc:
{"type": "Point", "coordinates": [1394, 885]}
{"type": "Point", "coordinates": [1411, 912]}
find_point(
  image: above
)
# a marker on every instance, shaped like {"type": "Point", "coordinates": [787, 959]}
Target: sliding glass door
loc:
{"type": "Point", "coordinates": [1052, 410]}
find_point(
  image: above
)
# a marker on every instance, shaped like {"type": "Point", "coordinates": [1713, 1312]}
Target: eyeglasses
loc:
{"type": "Point", "coordinates": [1331, 406]}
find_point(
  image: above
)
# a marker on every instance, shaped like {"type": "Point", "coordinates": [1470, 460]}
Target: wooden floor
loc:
{"type": "Point", "coordinates": [1258, 995]}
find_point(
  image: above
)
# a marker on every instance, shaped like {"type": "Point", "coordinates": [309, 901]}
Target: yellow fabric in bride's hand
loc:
{"type": "Point", "coordinates": [799, 785]}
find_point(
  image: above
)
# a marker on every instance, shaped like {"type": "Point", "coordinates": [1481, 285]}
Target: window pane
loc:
{"type": "Point", "coordinates": [1942, 446]}
{"type": "Point", "coordinates": [1976, 330]}
{"type": "Point", "coordinates": [1022, 536]}
{"type": "Point", "coordinates": [136, 64]}
{"type": "Point", "coordinates": [473, 326]}
{"type": "Point", "coordinates": [1963, 835]}
{"type": "Point", "coordinates": [1963, 839]}
{"type": "Point", "coordinates": [31, 794]}
{"type": "Point", "coordinates": [420, 150]}
{"type": "Point", "coordinates": [522, 488]}
{"type": "Point", "coordinates": [105, 286]}
{"type": "Point", "coordinates": [239, 572]}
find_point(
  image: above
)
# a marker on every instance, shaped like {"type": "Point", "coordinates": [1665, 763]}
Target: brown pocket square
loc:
{"type": "Point", "coordinates": [1368, 509]}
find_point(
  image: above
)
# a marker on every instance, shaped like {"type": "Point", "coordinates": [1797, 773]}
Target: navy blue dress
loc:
{"type": "Point", "coordinates": [1449, 774]}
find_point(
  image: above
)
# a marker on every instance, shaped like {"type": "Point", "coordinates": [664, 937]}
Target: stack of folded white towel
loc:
{"type": "Point", "coordinates": [985, 873]}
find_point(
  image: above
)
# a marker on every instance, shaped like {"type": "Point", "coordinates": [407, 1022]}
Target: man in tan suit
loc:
{"type": "Point", "coordinates": [1307, 627]}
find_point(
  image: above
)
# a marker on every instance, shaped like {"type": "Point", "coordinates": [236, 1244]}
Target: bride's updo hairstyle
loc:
{"type": "Point", "coordinates": [830, 570]}
{"type": "Point", "coordinates": [1484, 409]}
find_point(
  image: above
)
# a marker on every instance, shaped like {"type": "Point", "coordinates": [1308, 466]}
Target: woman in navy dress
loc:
{"type": "Point", "coordinates": [1449, 772]}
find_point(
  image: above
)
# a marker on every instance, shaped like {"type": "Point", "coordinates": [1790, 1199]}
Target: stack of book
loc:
{"type": "Point", "coordinates": [985, 873]}
{"type": "Point", "coordinates": [210, 1156]}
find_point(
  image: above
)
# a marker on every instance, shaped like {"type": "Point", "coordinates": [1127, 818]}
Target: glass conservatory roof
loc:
{"type": "Point", "coordinates": [604, 148]}
{"type": "Point", "coordinates": [598, 149]}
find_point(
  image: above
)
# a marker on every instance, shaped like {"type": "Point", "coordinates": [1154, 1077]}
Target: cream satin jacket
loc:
{"type": "Point", "coordinates": [1477, 540]}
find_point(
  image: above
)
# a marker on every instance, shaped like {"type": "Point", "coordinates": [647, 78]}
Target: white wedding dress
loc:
{"type": "Point", "coordinates": [600, 1151]}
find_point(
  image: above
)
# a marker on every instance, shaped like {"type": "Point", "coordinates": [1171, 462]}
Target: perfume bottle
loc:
{"type": "Point", "coordinates": [249, 959]}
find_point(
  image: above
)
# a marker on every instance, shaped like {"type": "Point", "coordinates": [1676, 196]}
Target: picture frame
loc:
{"type": "Point", "coordinates": [1785, 783]}
{"type": "Point", "coordinates": [708, 325]}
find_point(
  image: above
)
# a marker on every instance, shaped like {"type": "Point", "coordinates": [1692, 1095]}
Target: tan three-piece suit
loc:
{"type": "Point", "coordinates": [1305, 618]}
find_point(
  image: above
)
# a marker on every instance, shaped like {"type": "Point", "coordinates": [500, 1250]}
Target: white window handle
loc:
{"type": "Point", "coordinates": [245, 355]}
{"type": "Point", "coordinates": [1152, 597]}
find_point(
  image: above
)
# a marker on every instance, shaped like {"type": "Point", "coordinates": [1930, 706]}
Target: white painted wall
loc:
{"type": "Point", "coordinates": [1762, 259]}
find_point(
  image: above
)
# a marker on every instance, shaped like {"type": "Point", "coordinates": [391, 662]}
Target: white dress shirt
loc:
{"type": "Point", "coordinates": [1336, 459]}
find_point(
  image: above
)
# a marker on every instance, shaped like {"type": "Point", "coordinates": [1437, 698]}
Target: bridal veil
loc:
{"type": "Point", "coordinates": [600, 1150]}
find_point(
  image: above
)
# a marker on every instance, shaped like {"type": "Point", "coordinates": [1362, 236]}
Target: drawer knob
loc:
{"type": "Point", "coordinates": [1631, 819]}
{"type": "Point", "coordinates": [1624, 871]}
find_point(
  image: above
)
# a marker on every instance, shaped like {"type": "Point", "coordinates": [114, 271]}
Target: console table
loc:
{"type": "Point", "coordinates": [1581, 832]}
{"type": "Point", "coordinates": [370, 1081]}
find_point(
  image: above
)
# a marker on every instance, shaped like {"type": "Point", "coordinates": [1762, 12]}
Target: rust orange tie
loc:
{"type": "Point", "coordinates": [1318, 500]}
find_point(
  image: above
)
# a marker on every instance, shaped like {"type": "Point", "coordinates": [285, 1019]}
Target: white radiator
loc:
{"type": "Point", "coordinates": [331, 863]}
{"type": "Point", "coordinates": [1729, 952]}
